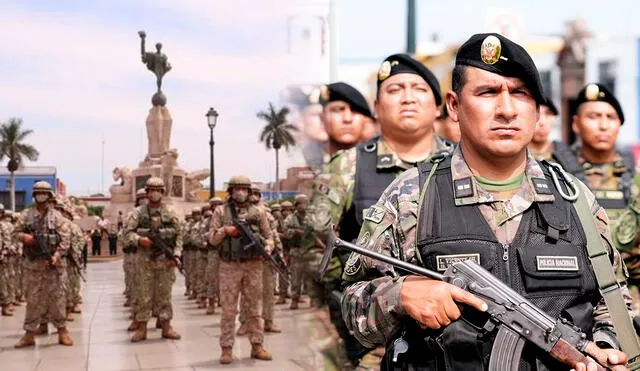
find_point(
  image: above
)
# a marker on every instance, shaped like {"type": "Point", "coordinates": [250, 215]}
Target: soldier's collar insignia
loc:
{"type": "Point", "coordinates": [463, 187]}
{"type": "Point", "coordinates": [384, 71]}
{"type": "Point", "coordinates": [491, 50]}
{"type": "Point", "coordinates": [592, 92]}
{"type": "Point", "coordinates": [385, 160]}
{"type": "Point", "coordinates": [541, 186]}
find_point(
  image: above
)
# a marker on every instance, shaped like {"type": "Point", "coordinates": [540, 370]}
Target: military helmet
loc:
{"type": "Point", "coordinates": [255, 188]}
{"type": "Point", "coordinates": [286, 204]}
{"type": "Point", "coordinates": [301, 197]}
{"type": "Point", "coordinates": [141, 193]}
{"type": "Point", "coordinates": [276, 207]}
{"type": "Point", "coordinates": [208, 213]}
{"type": "Point", "coordinates": [1, 207]}
{"type": "Point", "coordinates": [196, 210]}
{"type": "Point", "coordinates": [205, 208]}
{"type": "Point", "coordinates": [43, 186]}
{"type": "Point", "coordinates": [215, 201]}
{"type": "Point", "coordinates": [154, 183]}
{"type": "Point", "coordinates": [239, 180]}
{"type": "Point", "coordinates": [8, 213]}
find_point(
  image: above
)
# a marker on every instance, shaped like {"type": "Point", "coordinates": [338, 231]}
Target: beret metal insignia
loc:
{"type": "Point", "coordinates": [314, 96]}
{"type": "Point", "coordinates": [324, 92]}
{"type": "Point", "coordinates": [490, 50]}
{"type": "Point", "coordinates": [384, 71]}
{"type": "Point", "coordinates": [592, 92]}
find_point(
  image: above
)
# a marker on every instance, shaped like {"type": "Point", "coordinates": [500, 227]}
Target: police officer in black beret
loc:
{"type": "Point", "coordinates": [491, 202]}
{"type": "Point", "coordinates": [541, 147]}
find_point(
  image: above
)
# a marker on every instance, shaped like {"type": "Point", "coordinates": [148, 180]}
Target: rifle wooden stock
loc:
{"type": "Point", "coordinates": [567, 354]}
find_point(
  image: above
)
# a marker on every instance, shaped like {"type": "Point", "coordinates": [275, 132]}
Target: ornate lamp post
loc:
{"type": "Point", "coordinates": [212, 118]}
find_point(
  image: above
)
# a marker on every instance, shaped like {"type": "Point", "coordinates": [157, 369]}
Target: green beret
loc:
{"type": "Point", "coordinates": [340, 91]}
{"type": "Point", "coordinates": [599, 93]}
{"type": "Point", "coordinates": [495, 53]}
{"type": "Point", "coordinates": [404, 63]}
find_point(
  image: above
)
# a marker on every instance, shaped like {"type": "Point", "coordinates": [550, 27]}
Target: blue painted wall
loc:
{"type": "Point", "coordinates": [24, 183]}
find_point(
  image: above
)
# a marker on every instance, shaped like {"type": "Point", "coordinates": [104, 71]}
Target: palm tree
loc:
{"type": "Point", "coordinates": [276, 134]}
{"type": "Point", "coordinates": [12, 147]}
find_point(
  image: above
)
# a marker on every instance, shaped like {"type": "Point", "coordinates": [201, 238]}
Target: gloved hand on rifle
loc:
{"type": "Point", "coordinates": [27, 239]}
{"type": "Point", "coordinates": [230, 230]}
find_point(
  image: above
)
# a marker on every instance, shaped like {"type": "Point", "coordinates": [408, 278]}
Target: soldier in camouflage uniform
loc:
{"type": "Point", "coordinates": [5, 265]}
{"type": "Point", "coordinates": [129, 259]}
{"type": "Point", "coordinates": [268, 274]}
{"type": "Point", "coordinates": [211, 274]}
{"type": "Point", "coordinates": [46, 236]}
{"type": "Point", "coordinates": [283, 282]}
{"type": "Point", "coordinates": [15, 264]}
{"type": "Point", "coordinates": [198, 239]}
{"type": "Point", "coordinates": [157, 259]}
{"type": "Point", "coordinates": [541, 147]}
{"type": "Point", "coordinates": [491, 184]}
{"type": "Point", "coordinates": [189, 258]}
{"type": "Point", "coordinates": [240, 269]}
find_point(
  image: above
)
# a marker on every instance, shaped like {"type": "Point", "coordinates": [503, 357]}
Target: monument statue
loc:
{"type": "Point", "coordinates": [123, 190]}
{"type": "Point", "coordinates": [156, 62]}
{"type": "Point", "coordinates": [169, 162]}
{"type": "Point", "coordinates": [193, 185]}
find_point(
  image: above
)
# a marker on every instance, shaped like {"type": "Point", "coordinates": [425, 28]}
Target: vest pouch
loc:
{"type": "Point", "coordinates": [440, 254]}
{"type": "Point", "coordinates": [547, 268]}
{"type": "Point", "coordinates": [463, 350]}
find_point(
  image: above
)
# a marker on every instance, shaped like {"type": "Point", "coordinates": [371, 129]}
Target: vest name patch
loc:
{"type": "Point", "coordinates": [541, 186]}
{"type": "Point", "coordinates": [608, 195]}
{"type": "Point", "coordinates": [557, 263]}
{"type": "Point", "coordinates": [463, 187]}
{"type": "Point", "coordinates": [443, 262]}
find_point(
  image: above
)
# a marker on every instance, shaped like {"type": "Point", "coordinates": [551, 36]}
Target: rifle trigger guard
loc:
{"type": "Point", "coordinates": [507, 350]}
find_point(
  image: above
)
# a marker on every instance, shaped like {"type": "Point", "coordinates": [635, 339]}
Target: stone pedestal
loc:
{"type": "Point", "coordinates": [159, 123]}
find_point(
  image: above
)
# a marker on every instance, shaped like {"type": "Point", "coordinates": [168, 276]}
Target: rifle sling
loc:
{"type": "Point", "coordinates": [607, 282]}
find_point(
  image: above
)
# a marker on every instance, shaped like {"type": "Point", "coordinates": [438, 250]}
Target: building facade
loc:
{"type": "Point", "coordinates": [24, 179]}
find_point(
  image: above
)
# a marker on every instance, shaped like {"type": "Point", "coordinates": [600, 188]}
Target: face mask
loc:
{"type": "Point", "coordinates": [154, 196]}
{"type": "Point", "coordinates": [254, 199]}
{"type": "Point", "coordinates": [196, 217]}
{"type": "Point", "coordinates": [240, 196]}
{"type": "Point", "coordinates": [144, 201]}
{"type": "Point", "coordinates": [41, 198]}
{"type": "Point", "coordinates": [301, 208]}
{"type": "Point", "coordinates": [276, 214]}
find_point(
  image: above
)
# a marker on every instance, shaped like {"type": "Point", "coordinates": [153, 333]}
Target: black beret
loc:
{"type": "Point", "coordinates": [552, 107]}
{"type": "Point", "coordinates": [404, 63]}
{"type": "Point", "coordinates": [599, 93]}
{"type": "Point", "coordinates": [495, 53]}
{"type": "Point", "coordinates": [340, 91]}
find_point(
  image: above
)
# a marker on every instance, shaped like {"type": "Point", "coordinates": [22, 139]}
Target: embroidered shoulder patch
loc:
{"type": "Point", "coordinates": [353, 264]}
{"type": "Point", "coordinates": [374, 214]}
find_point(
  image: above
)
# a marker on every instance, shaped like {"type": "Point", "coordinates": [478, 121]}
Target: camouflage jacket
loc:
{"type": "Point", "coordinates": [295, 223]}
{"type": "Point", "coordinates": [77, 240]}
{"type": "Point", "coordinates": [333, 188]}
{"type": "Point", "coordinates": [6, 242]}
{"type": "Point", "coordinates": [51, 220]}
{"type": "Point", "coordinates": [253, 214]}
{"type": "Point", "coordinates": [372, 306]}
{"type": "Point", "coordinates": [167, 213]}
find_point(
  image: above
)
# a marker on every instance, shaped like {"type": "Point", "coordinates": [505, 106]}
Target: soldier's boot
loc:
{"type": "Point", "coordinates": [258, 352]}
{"type": "Point", "coordinates": [141, 332]}
{"type": "Point", "coordinates": [281, 300]}
{"type": "Point", "coordinates": [227, 356]}
{"type": "Point", "coordinates": [133, 326]}
{"type": "Point", "coordinates": [168, 332]}
{"type": "Point", "coordinates": [63, 337]}
{"type": "Point", "coordinates": [76, 308]}
{"type": "Point", "coordinates": [202, 303]}
{"type": "Point", "coordinates": [21, 299]}
{"type": "Point", "coordinates": [193, 296]}
{"type": "Point", "coordinates": [16, 303]}
{"type": "Point", "coordinates": [69, 316]}
{"type": "Point", "coordinates": [186, 292]}
{"type": "Point", "coordinates": [294, 304]}
{"type": "Point", "coordinates": [158, 323]}
{"type": "Point", "coordinates": [288, 296]}
{"type": "Point", "coordinates": [211, 309]}
{"type": "Point", "coordinates": [130, 316]}
{"type": "Point", "coordinates": [43, 329]}
{"type": "Point", "coordinates": [6, 311]}
{"type": "Point", "coordinates": [28, 340]}
{"type": "Point", "coordinates": [269, 326]}
{"type": "Point", "coordinates": [242, 331]}
{"type": "Point", "coordinates": [127, 302]}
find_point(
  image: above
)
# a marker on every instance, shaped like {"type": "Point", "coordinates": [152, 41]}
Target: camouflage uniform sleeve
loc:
{"type": "Point", "coordinates": [63, 228]}
{"type": "Point", "coordinates": [266, 231]}
{"type": "Point", "coordinates": [130, 236]}
{"type": "Point", "coordinates": [177, 250]}
{"type": "Point", "coordinates": [371, 304]}
{"type": "Point", "coordinates": [277, 243]}
{"type": "Point", "coordinates": [289, 227]}
{"type": "Point", "coordinates": [5, 235]}
{"type": "Point", "coordinates": [603, 331]}
{"type": "Point", "coordinates": [215, 238]}
{"type": "Point", "coordinates": [18, 228]}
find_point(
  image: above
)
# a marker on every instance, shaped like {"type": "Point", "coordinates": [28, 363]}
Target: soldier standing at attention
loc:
{"type": "Point", "coordinates": [240, 269]}
{"type": "Point", "coordinates": [155, 229]}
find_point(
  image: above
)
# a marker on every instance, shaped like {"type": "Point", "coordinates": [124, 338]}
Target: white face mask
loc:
{"type": "Point", "coordinates": [154, 196]}
{"type": "Point", "coordinates": [41, 198]}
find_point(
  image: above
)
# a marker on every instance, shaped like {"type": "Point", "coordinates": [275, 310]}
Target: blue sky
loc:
{"type": "Point", "coordinates": [72, 70]}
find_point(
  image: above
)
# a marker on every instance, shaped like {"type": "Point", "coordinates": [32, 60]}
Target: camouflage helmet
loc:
{"type": "Point", "coordinates": [141, 193]}
{"type": "Point", "coordinates": [205, 208]}
{"type": "Point", "coordinates": [255, 188]}
{"type": "Point", "coordinates": [239, 180]}
{"type": "Point", "coordinates": [154, 183]}
{"type": "Point", "coordinates": [276, 207]}
{"type": "Point", "coordinates": [43, 186]}
{"type": "Point", "coordinates": [8, 213]}
{"type": "Point", "coordinates": [286, 204]}
{"type": "Point", "coordinates": [196, 210]}
{"type": "Point", "coordinates": [208, 213]}
{"type": "Point", "coordinates": [214, 201]}
{"type": "Point", "coordinates": [300, 197]}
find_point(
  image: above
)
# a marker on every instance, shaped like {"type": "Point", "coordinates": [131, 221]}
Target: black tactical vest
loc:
{"type": "Point", "coordinates": [547, 232]}
{"type": "Point", "coordinates": [236, 248]}
{"type": "Point", "coordinates": [43, 228]}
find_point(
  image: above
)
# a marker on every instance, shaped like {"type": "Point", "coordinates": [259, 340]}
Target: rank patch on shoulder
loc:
{"type": "Point", "coordinates": [557, 263]}
{"type": "Point", "coordinates": [542, 186]}
{"type": "Point", "coordinates": [443, 262]}
{"type": "Point", "coordinates": [323, 188]}
{"type": "Point", "coordinates": [463, 188]}
{"type": "Point", "coordinates": [353, 264]}
{"type": "Point", "coordinates": [373, 214]}
{"type": "Point", "coordinates": [334, 196]}
{"type": "Point", "coordinates": [385, 160]}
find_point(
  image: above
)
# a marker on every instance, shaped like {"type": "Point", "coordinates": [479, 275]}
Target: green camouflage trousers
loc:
{"type": "Point", "coordinates": [211, 273]}
{"type": "Point", "coordinates": [153, 290]}
{"type": "Point", "coordinates": [5, 278]}
{"type": "Point", "coordinates": [45, 294]}
{"type": "Point", "coordinates": [189, 264]}
{"type": "Point", "coordinates": [201, 270]}
{"type": "Point", "coordinates": [16, 283]}
{"type": "Point", "coordinates": [73, 286]}
{"type": "Point", "coordinates": [128, 266]}
{"type": "Point", "coordinates": [268, 300]}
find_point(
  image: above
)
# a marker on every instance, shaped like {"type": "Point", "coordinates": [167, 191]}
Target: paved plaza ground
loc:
{"type": "Point", "coordinates": [102, 342]}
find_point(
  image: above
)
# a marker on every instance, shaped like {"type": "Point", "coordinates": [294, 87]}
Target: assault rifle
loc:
{"type": "Point", "coordinates": [517, 319]}
{"type": "Point", "coordinates": [159, 248]}
{"type": "Point", "coordinates": [44, 247]}
{"type": "Point", "coordinates": [251, 241]}
{"type": "Point", "coordinates": [77, 267]}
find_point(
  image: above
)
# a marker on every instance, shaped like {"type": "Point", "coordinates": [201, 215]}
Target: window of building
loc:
{"type": "Point", "coordinates": [545, 79]}
{"type": "Point", "coordinates": [607, 71]}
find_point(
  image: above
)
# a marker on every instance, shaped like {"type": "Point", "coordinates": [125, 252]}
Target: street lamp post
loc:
{"type": "Point", "coordinates": [212, 118]}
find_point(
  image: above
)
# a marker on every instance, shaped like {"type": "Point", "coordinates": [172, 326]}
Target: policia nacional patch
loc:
{"type": "Point", "coordinates": [353, 264]}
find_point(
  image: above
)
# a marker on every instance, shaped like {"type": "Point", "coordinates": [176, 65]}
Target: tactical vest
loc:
{"type": "Point", "coordinates": [611, 200]}
{"type": "Point", "coordinates": [233, 248]}
{"type": "Point", "coordinates": [156, 221]}
{"type": "Point", "coordinates": [547, 262]}
{"type": "Point", "coordinates": [44, 232]}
